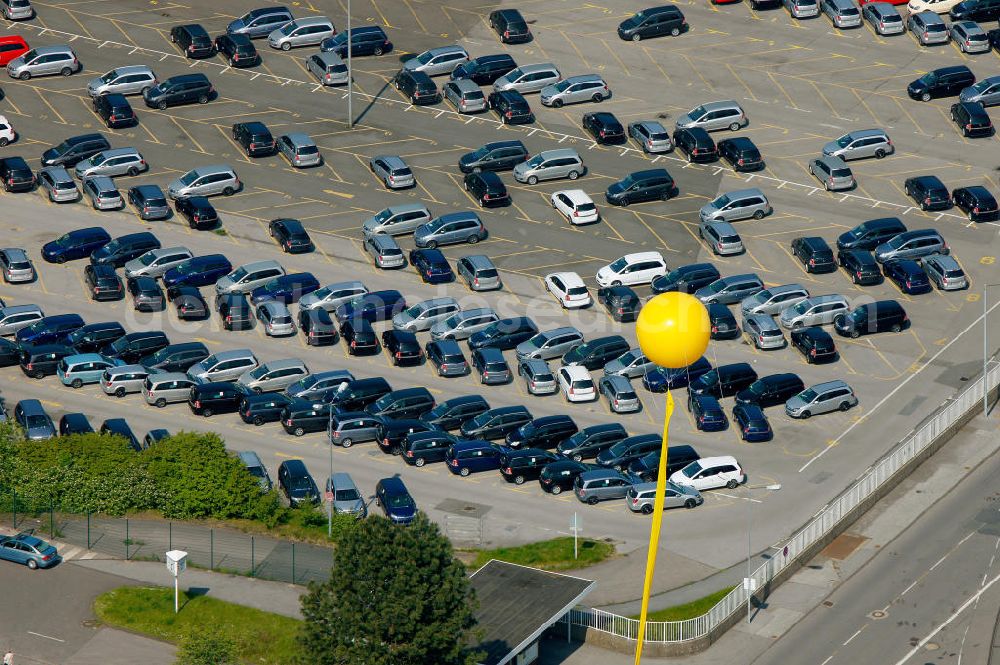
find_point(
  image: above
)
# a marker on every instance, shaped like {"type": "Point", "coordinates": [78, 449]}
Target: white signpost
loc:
{"type": "Point", "coordinates": [176, 564]}
{"type": "Point", "coordinates": [575, 525]}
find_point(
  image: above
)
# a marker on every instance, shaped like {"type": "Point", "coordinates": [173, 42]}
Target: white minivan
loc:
{"type": "Point", "coordinates": [710, 473]}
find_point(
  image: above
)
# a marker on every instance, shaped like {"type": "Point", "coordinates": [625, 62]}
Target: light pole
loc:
{"type": "Point", "coordinates": [986, 351]}
{"type": "Point", "coordinates": [774, 488]}
{"type": "Point", "coordinates": [350, 86]}
{"type": "Point", "coordinates": [329, 479]}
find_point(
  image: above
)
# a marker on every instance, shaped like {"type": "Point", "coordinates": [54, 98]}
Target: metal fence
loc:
{"type": "Point", "coordinates": [949, 413]}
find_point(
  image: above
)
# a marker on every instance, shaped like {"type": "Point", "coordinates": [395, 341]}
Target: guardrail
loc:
{"type": "Point", "coordinates": [946, 416]}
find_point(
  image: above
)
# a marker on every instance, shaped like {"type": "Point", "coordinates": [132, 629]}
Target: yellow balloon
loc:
{"type": "Point", "coordinates": [673, 329]}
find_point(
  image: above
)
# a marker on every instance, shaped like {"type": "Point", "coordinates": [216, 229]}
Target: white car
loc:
{"type": "Point", "coordinates": [710, 473]}
{"type": "Point", "coordinates": [569, 289]}
{"type": "Point", "coordinates": [576, 384]}
{"type": "Point", "coordinates": [936, 6]}
{"type": "Point", "coordinates": [575, 206]}
{"type": "Point", "coordinates": [632, 269]}
{"type": "Point", "coordinates": [7, 133]}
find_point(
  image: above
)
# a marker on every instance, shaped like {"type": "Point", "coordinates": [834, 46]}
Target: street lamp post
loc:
{"type": "Point", "coordinates": [774, 488]}
{"type": "Point", "coordinates": [350, 82]}
{"type": "Point", "coordinates": [329, 504]}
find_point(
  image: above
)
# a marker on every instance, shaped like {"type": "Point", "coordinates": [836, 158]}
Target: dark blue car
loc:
{"type": "Point", "coordinates": [470, 456]}
{"type": "Point", "coordinates": [753, 424]}
{"type": "Point", "coordinates": [395, 500]}
{"type": "Point", "coordinates": [907, 275]}
{"type": "Point", "coordinates": [287, 288]}
{"type": "Point", "coordinates": [708, 414]}
{"type": "Point", "coordinates": [199, 271]}
{"type": "Point", "coordinates": [660, 380]}
{"type": "Point", "coordinates": [432, 266]}
{"type": "Point", "coordinates": [77, 244]}
{"type": "Point", "coordinates": [49, 330]}
{"type": "Point", "coordinates": [373, 306]}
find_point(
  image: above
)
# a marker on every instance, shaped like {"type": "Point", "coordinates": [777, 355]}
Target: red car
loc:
{"type": "Point", "coordinates": [11, 46]}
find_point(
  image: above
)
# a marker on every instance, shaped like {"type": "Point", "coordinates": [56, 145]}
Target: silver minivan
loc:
{"type": "Point", "coordinates": [730, 290]}
{"type": "Point", "coordinates": [299, 149]}
{"type": "Point", "coordinates": [249, 276]}
{"type": "Point", "coordinates": [223, 366]}
{"type": "Point", "coordinates": [741, 204]}
{"type": "Point", "coordinates": [129, 80]}
{"type": "Point", "coordinates": [44, 61]}
{"type": "Point", "coordinates": [425, 314]}
{"type": "Point", "coordinates": [301, 32]}
{"type": "Point", "coordinates": [763, 332]}
{"type": "Point", "coordinates": [464, 95]}
{"type": "Point", "coordinates": [332, 296]}
{"type": "Point", "coordinates": [385, 251]}
{"type": "Point", "coordinates": [17, 10]}
{"type": "Point", "coordinates": [721, 236]}
{"type": "Point", "coordinates": [397, 220]}
{"type": "Point", "coordinates": [575, 89]}
{"type": "Point", "coordinates": [273, 376]}
{"type": "Point", "coordinates": [528, 78]}
{"type": "Point", "coordinates": [821, 398]}
{"type": "Point", "coordinates": [205, 181]}
{"type": "Point", "coordinates": [167, 388]}
{"type": "Point", "coordinates": [774, 300]}
{"type": "Point", "coordinates": [550, 165]}
{"type": "Point", "coordinates": [114, 162]}
{"type": "Point", "coordinates": [814, 311]}
{"type": "Point", "coordinates": [550, 344]}
{"type": "Point", "coordinates": [833, 172]}
{"type": "Point", "coordinates": [15, 317]}
{"type": "Point", "coordinates": [103, 194]}
{"type": "Point", "coordinates": [155, 262]}
{"type": "Point", "coordinates": [260, 22]}
{"type": "Point", "coordinates": [461, 325]}
{"type": "Point", "coordinates": [713, 116]}
{"type": "Point", "coordinates": [346, 497]}
{"type": "Point", "coordinates": [479, 272]}
{"type": "Point", "coordinates": [328, 67]}
{"type": "Point", "coordinates": [928, 28]}
{"type": "Point", "coordinates": [860, 144]}
{"type": "Point", "coordinates": [802, 8]}
{"type": "Point", "coordinates": [986, 91]}
{"type": "Point", "coordinates": [843, 13]}
{"type": "Point", "coordinates": [438, 61]}
{"type": "Point", "coordinates": [125, 379]}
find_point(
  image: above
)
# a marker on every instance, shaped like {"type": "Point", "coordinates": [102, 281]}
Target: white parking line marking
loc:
{"type": "Point", "coordinates": [48, 637]}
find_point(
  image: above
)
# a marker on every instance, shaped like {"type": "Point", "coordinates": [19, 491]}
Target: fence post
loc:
{"type": "Point", "coordinates": [293, 563]}
{"type": "Point", "coordinates": [170, 535]}
{"type": "Point", "coordinates": [88, 529]}
{"type": "Point", "coordinates": [253, 569]}
{"type": "Point", "coordinates": [126, 539]}
{"type": "Point", "coordinates": [13, 505]}
{"type": "Point", "coordinates": [211, 549]}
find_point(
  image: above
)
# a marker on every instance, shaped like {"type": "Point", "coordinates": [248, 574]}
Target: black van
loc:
{"type": "Point", "coordinates": [485, 69]}
{"type": "Point", "coordinates": [771, 390]}
{"type": "Point", "coordinates": [418, 86]}
{"type": "Point", "coordinates": [723, 381]}
{"type": "Point", "coordinates": [451, 413]}
{"type": "Point", "coordinates": [648, 466]}
{"type": "Point", "coordinates": [516, 466]}
{"type": "Point", "coordinates": [495, 423]}
{"type": "Point", "coordinates": [300, 417]}
{"type": "Point", "coordinates": [874, 317]}
{"type": "Point", "coordinates": [649, 185]}
{"type": "Point", "coordinates": [43, 360]}
{"type": "Point", "coordinates": [94, 336]}
{"type": "Point", "coordinates": [235, 311]}
{"type": "Point", "coordinates": [176, 357]}
{"type": "Point", "coordinates": [626, 451]}
{"type": "Point", "coordinates": [355, 395]}
{"type": "Point", "coordinates": [653, 22]}
{"type": "Point", "coordinates": [544, 432]}
{"type": "Point", "coordinates": [124, 248]}
{"type": "Point", "coordinates": [119, 427]}
{"type": "Point", "coordinates": [265, 408]}
{"type": "Point", "coordinates": [133, 346]}
{"type": "Point", "coordinates": [209, 398]}
{"type": "Point", "coordinates": [596, 353]}
{"type": "Point", "coordinates": [182, 89]}
{"type": "Point", "coordinates": [686, 279]}
{"type": "Point", "coordinates": [17, 176]}
{"type": "Point", "coordinates": [422, 447]}
{"type": "Point", "coordinates": [392, 433]}
{"type": "Point", "coordinates": [590, 441]}
{"type": "Point", "coordinates": [74, 150]}
{"type": "Point", "coordinates": [869, 235]}
{"type": "Point", "coordinates": [296, 483]}
{"type": "Point", "coordinates": [405, 403]}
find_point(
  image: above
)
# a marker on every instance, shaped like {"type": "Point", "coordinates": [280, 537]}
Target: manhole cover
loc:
{"type": "Point", "coordinates": [877, 614]}
{"type": "Point", "coordinates": [932, 646]}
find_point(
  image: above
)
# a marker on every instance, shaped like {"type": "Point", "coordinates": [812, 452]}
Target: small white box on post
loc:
{"type": "Point", "coordinates": [176, 564]}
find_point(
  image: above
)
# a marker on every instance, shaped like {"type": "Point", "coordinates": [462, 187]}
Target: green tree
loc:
{"type": "Point", "coordinates": [207, 647]}
{"type": "Point", "coordinates": [396, 596]}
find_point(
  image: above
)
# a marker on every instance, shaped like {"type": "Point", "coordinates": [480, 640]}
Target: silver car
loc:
{"type": "Point", "coordinates": [249, 276]}
{"type": "Point", "coordinates": [426, 313]}
{"type": "Point", "coordinates": [833, 172]}
{"type": "Point", "coordinates": [883, 18]}
{"type": "Point", "coordinates": [15, 317]}
{"type": "Point", "coordinates": [576, 89]}
{"type": "Point", "coordinates": [332, 296]}
{"type": "Point", "coordinates": [945, 272]}
{"type": "Point", "coordinates": [860, 144]}
{"type": "Point", "coordinates": [102, 193]}
{"type": "Point", "coordinates": [632, 364]}
{"type": "Point", "coordinates": [126, 379]}
{"type": "Point", "coordinates": [821, 398]}
{"type": "Point", "coordinates": [155, 262]}
{"type": "Point", "coordinates": [392, 171]}
{"type": "Point", "coordinates": [44, 61]}
{"type": "Point", "coordinates": [301, 32]}
{"type": "Point", "coordinates": [528, 78]}
{"type": "Point", "coordinates": [985, 91]}
{"type": "Point", "coordinates": [275, 318]}
{"type": "Point", "coordinates": [763, 332]}
{"type": "Point", "coordinates": [205, 181]}
{"type": "Point", "coordinates": [17, 10]}
{"type": "Point", "coordinates": [300, 150]}
{"type": "Point", "coordinates": [397, 220]}
{"type": "Point", "coordinates": [911, 245]}
{"type": "Point", "coordinates": [651, 135]}
{"type": "Point", "coordinates": [843, 13]}
{"type": "Point", "coordinates": [315, 386]}
{"type": "Point", "coordinates": [549, 344]}
{"type": "Point", "coordinates": [740, 204]}
{"type": "Point", "coordinates": [166, 388]}
{"type": "Point", "coordinates": [462, 324]}
{"type": "Point", "coordinates": [479, 272]}
{"type": "Point", "coordinates": [328, 67]}
{"type": "Point", "coordinates": [273, 376]}
{"type": "Point", "coordinates": [970, 37]}
{"type": "Point", "coordinates": [16, 266]}
{"type": "Point", "coordinates": [721, 237]}
{"type": "Point", "coordinates": [641, 497]}
{"type": "Point", "coordinates": [129, 80]}
{"type": "Point", "coordinates": [346, 497]}
{"type": "Point", "coordinates": [814, 311]}
{"type": "Point", "coordinates": [464, 95]}
{"type": "Point", "coordinates": [774, 300]}
{"type": "Point", "coordinates": [115, 162]}
{"type": "Point", "coordinates": [385, 251]}
{"type": "Point", "coordinates": [620, 394]}
{"type": "Point", "coordinates": [223, 366]}
{"type": "Point", "coordinates": [928, 28]}
{"type": "Point", "coordinates": [450, 229]}
{"type": "Point", "coordinates": [802, 8]}
{"type": "Point", "coordinates": [715, 116]}
{"type": "Point", "coordinates": [550, 165]}
{"type": "Point", "coordinates": [438, 61]}
{"type": "Point", "coordinates": [538, 376]}
{"type": "Point", "coordinates": [59, 184]}
{"type": "Point", "coordinates": [730, 290]}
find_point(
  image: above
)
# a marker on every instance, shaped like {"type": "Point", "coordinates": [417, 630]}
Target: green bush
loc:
{"type": "Point", "coordinates": [206, 647]}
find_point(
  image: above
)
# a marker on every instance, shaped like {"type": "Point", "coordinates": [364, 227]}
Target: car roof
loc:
{"type": "Point", "coordinates": [569, 279]}
{"type": "Point", "coordinates": [538, 67]}
{"type": "Point", "coordinates": [721, 104]}
{"type": "Point", "coordinates": [763, 321]}
{"type": "Point", "coordinates": [580, 78]}
{"type": "Point", "coordinates": [651, 125]}
{"type": "Point", "coordinates": [785, 288]}
{"type": "Point", "coordinates": [84, 358]}
{"type": "Point", "coordinates": [451, 48]}
{"type": "Point", "coordinates": [312, 20]}
{"type": "Point", "coordinates": [15, 253]}
{"type": "Point", "coordinates": [300, 139]}
{"type": "Point", "coordinates": [635, 257]}
{"type": "Point", "coordinates": [945, 261]}
{"type": "Point", "coordinates": [393, 485]}
{"type": "Point", "coordinates": [829, 385]}
{"type": "Point", "coordinates": [464, 85]}
{"type": "Point", "coordinates": [617, 381]}
{"type": "Point", "coordinates": [392, 161]}
{"type": "Point", "coordinates": [575, 371]}
{"type": "Point", "coordinates": [723, 228]}
{"type": "Point", "coordinates": [44, 50]}
{"type": "Point", "coordinates": [274, 307]}
{"type": "Point", "coordinates": [342, 480]}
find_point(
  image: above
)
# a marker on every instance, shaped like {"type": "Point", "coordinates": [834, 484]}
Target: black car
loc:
{"type": "Point", "coordinates": [907, 275]}
{"type": "Point", "coordinates": [155, 436]}
{"type": "Point", "coordinates": [263, 408]}
{"type": "Point", "coordinates": [590, 441]}
{"type": "Point", "coordinates": [359, 336]}
{"type": "Point", "coordinates": [124, 248]}
{"type": "Point", "coordinates": [976, 10]}
{"type": "Point", "coordinates": [621, 302]}
{"type": "Point", "coordinates": [943, 82]}
{"type": "Point", "coordinates": [417, 87]}
{"type": "Point", "coordinates": [404, 403]}
{"type": "Point", "coordinates": [183, 89]}
{"type": "Point", "coordinates": [650, 185]}
{"type": "Point", "coordinates": [41, 360]}
{"type": "Point", "coordinates": [392, 433]}
{"type": "Point", "coordinates": [994, 36]}
{"type": "Point", "coordinates": [485, 69]}
{"type": "Point", "coordinates": [452, 413]}
{"type": "Point", "coordinates": [653, 22]}
{"type": "Point", "coordinates": [814, 254]}
{"type": "Point", "coordinates": [255, 138]}
{"type": "Point", "coordinates": [103, 282]}
{"type": "Point", "coordinates": [296, 483]}
{"type": "Point", "coordinates": [626, 451]}
{"type": "Point", "coordinates": [860, 265]}
{"type": "Point", "coordinates": [365, 40]}
{"type": "Point", "coordinates": [292, 237]}
{"type": "Point", "coordinates": [149, 201]}
{"type": "Point", "coordinates": [115, 111]}
{"type": "Point", "coordinates": [300, 417]}
{"type": "Point", "coordinates": [193, 40]}
{"type": "Point", "coordinates": [432, 265]}
{"type": "Point", "coordinates": [604, 127]}
{"type": "Point", "coordinates": [752, 423]}
{"type": "Point", "coordinates": [559, 476]}
{"type": "Point", "coordinates": [686, 279]}
{"type": "Point", "coordinates": [447, 358]}
{"type": "Point", "coordinates": [147, 296]}
{"type": "Point", "coordinates": [544, 432]}
{"type": "Point", "coordinates": [771, 390]}
{"type": "Point", "coordinates": [420, 448]}
{"type": "Point", "coordinates": [870, 234]}
{"type": "Point", "coordinates": [119, 427]}
{"type": "Point", "coordinates": [678, 457]}
{"type": "Point", "coordinates": [238, 50]}
{"type": "Point", "coordinates": [517, 466]}
{"type": "Point", "coordinates": [723, 322]}
{"type": "Point", "coordinates": [928, 192]}
{"type": "Point", "coordinates": [487, 189]}
{"type": "Point", "coordinates": [74, 423]}
{"type": "Point", "coordinates": [198, 211]}
{"type": "Point", "coordinates": [10, 353]}
{"type": "Point", "coordinates": [510, 26]}
{"type": "Point", "coordinates": [495, 156]}
{"type": "Point", "coordinates": [495, 423]}
{"type": "Point", "coordinates": [403, 347]}
{"type": "Point", "coordinates": [133, 346]}
{"type": "Point", "coordinates": [815, 344]}
{"type": "Point", "coordinates": [597, 352]}
{"type": "Point", "coordinates": [175, 357]}
{"type": "Point", "coordinates": [74, 150]}
{"type": "Point", "coordinates": [357, 394]}
{"type": "Point", "coordinates": [92, 337]}
{"type": "Point", "coordinates": [189, 303]}
{"type": "Point", "coordinates": [972, 119]}
{"type": "Point", "coordinates": [511, 107]}
{"type": "Point", "coordinates": [235, 311]}
{"type": "Point", "coordinates": [504, 334]}
{"type": "Point", "coordinates": [696, 144]}
{"type": "Point", "coordinates": [707, 413]}
{"type": "Point", "coordinates": [17, 176]}
{"type": "Point", "coordinates": [317, 327]}
{"type": "Point", "coordinates": [977, 202]}
{"type": "Point", "coordinates": [741, 153]}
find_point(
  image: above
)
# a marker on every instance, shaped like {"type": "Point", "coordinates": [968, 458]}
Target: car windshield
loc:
{"type": "Point", "coordinates": [800, 307]}
{"type": "Point", "coordinates": [451, 321]}
{"type": "Point", "coordinates": [302, 484]}
{"type": "Point", "coordinates": [619, 265]}
{"type": "Point", "coordinates": [258, 372]}
{"type": "Point", "coordinates": [120, 344]}
{"type": "Point", "coordinates": [347, 495]}
{"type": "Point", "coordinates": [189, 177]}
{"type": "Point", "coordinates": [187, 268]}
{"type": "Point", "coordinates": [36, 421]}
{"type": "Point", "coordinates": [807, 395]}
{"type": "Point", "coordinates": [721, 201]}
{"type": "Point", "coordinates": [238, 274]}
{"type": "Point", "coordinates": [424, 57]}
{"type": "Point", "coordinates": [982, 86]}
{"type": "Point", "coordinates": [691, 470]}
{"type": "Point", "coordinates": [399, 500]}
{"type": "Point", "coordinates": [562, 85]}
{"type": "Point", "coordinates": [110, 76]}
{"type": "Point", "coordinates": [272, 285]}
{"type": "Point", "coordinates": [716, 286]}
{"type": "Point", "coordinates": [514, 74]}
{"type": "Point", "coordinates": [147, 258]}
{"type": "Point", "coordinates": [340, 38]}
{"type": "Point", "coordinates": [288, 28]}
{"type": "Point", "coordinates": [697, 112]}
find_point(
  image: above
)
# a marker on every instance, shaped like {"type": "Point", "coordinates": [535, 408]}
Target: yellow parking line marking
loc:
{"type": "Point", "coordinates": [579, 53]}
{"type": "Point", "coordinates": [188, 134]}
{"type": "Point", "coordinates": [122, 30]}
{"type": "Point", "coordinates": [655, 62]}
{"type": "Point", "coordinates": [61, 121]}
{"type": "Point", "coordinates": [232, 142]}
{"type": "Point", "coordinates": [72, 15]}
{"type": "Point", "coordinates": [385, 21]}
{"type": "Point", "coordinates": [415, 16]}
{"type": "Point", "coordinates": [650, 229]}
{"type": "Point", "coordinates": [791, 101]}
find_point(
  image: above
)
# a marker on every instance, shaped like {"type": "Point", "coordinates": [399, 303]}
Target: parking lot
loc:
{"type": "Point", "coordinates": [801, 83]}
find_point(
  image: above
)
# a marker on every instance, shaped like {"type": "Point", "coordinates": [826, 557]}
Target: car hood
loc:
{"type": "Point", "coordinates": [685, 120]}
{"type": "Point", "coordinates": [708, 210]}
{"type": "Point", "coordinates": [549, 91]}
{"type": "Point", "coordinates": [614, 366]}
{"type": "Point", "coordinates": [15, 63]}
{"type": "Point", "coordinates": [401, 320]}
{"type": "Point", "coordinates": [133, 266]}
{"type": "Point", "coordinates": [969, 94]}
{"type": "Point", "coordinates": [49, 155]}
{"type": "Point", "coordinates": [615, 189]}
{"type": "Point", "coordinates": [916, 86]}
{"type": "Point", "coordinates": [831, 148]}
{"type": "Point", "coordinates": [175, 186]}
{"type": "Point", "coordinates": [355, 506]}
{"type": "Point", "coordinates": [525, 348]}
{"type": "Point", "coordinates": [95, 83]}
{"type": "Point", "coordinates": [795, 403]}
{"type": "Point", "coordinates": [370, 225]}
